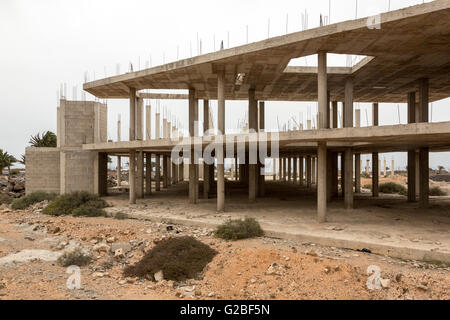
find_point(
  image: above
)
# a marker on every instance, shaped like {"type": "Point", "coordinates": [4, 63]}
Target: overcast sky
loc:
{"type": "Point", "coordinates": [49, 42]}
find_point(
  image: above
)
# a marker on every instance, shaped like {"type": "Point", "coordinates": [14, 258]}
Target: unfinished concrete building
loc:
{"type": "Point", "coordinates": [407, 60]}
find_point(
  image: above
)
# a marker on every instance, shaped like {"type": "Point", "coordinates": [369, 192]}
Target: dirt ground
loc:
{"type": "Point", "coordinates": [262, 268]}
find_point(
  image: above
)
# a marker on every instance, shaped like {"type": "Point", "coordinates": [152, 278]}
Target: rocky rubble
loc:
{"type": "Point", "coordinates": [13, 186]}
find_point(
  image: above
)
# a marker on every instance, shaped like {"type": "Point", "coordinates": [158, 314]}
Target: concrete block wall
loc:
{"type": "Point", "coordinates": [42, 169]}
{"type": "Point", "coordinates": [69, 168]}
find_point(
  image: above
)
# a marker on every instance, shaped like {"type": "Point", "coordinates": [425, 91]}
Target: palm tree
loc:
{"type": "Point", "coordinates": [6, 160]}
{"type": "Point", "coordinates": [22, 159]}
{"type": "Point", "coordinates": [48, 140]}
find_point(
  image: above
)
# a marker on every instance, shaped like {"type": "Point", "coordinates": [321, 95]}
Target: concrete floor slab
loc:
{"type": "Point", "coordinates": [387, 225]}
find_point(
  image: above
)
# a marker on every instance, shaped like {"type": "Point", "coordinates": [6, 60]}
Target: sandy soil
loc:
{"type": "Point", "coordinates": [260, 268]}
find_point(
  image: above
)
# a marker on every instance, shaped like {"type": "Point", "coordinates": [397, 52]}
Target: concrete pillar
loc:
{"type": "Point", "coordinates": [164, 128]}
{"type": "Point", "coordinates": [384, 168]}
{"type": "Point", "coordinates": [358, 118]}
{"type": "Point", "coordinates": [334, 112]}
{"type": "Point", "coordinates": [157, 125]}
{"type": "Point", "coordinates": [348, 180]}
{"type": "Point", "coordinates": [343, 174]}
{"type": "Point", "coordinates": [284, 169]}
{"type": "Point", "coordinates": [236, 168]}
{"type": "Point", "coordinates": [193, 180]}
{"type": "Point", "coordinates": [313, 170]}
{"type": "Point", "coordinates": [423, 152]}
{"type": "Point", "coordinates": [322, 91]}
{"type": "Point", "coordinates": [289, 170]}
{"type": "Point", "coordinates": [119, 159]}
{"type": "Point", "coordinates": [348, 105]}
{"type": "Point", "coordinates": [367, 166]}
{"type": "Point", "coordinates": [280, 169]}
{"type": "Point", "coordinates": [148, 124]}
{"type": "Point", "coordinates": [165, 172]}
{"type": "Point", "coordinates": [148, 173]}
{"type": "Point", "coordinates": [220, 150]}
{"type": "Point", "coordinates": [132, 176]}
{"type": "Point", "coordinates": [139, 118]}
{"type": "Point", "coordinates": [375, 178]}
{"type": "Point", "coordinates": [423, 100]}
{"type": "Point", "coordinates": [206, 167]}
{"type": "Point", "coordinates": [119, 170]}
{"type": "Point", "coordinates": [295, 169]}
{"type": "Point", "coordinates": [252, 125]}
{"type": "Point", "coordinates": [261, 166]}
{"type": "Point", "coordinates": [375, 163]}
{"type": "Point", "coordinates": [424, 177]}
{"type": "Point", "coordinates": [357, 173]}
{"type": "Point", "coordinates": [140, 175]}
{"type": "Point", "coordinates": [322, 183]}
{"type": "Point", "coordinates": [308, 172]}
{"type": "Point", "coordinates": [334, 174]}
{"type": "Point", "coordinates": [132, 114]}
{"type": "Point", "coordinates": [158, 173]}
{"type": "Point", "coordinates": [301, 171]}
{"type": "Point", "coordinates": [411, 175]}
{"type": "Point", "coordinates": [393, 168]}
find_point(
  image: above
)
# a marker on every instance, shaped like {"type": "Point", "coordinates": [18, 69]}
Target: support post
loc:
{"type": "Point", "coordinates": [375, 178]}
{"type": "Point", "coordinates": [132, 177]}
{"type": "Point", "coordinates": [253, 126]}
{"type": "Point", "coordinates": [322, 183]}
{"type": "Point", "coordinates": [206, 167]}
{"type": "Point", "coordinates": [148, 173]}
{"type": "Point", "coordinates": [357, 173]}
{"type": "Point", "coordinates": [348, 181]}
{"type": "Point", "coordinates": [192, 167]}
{"type": "Point", "coordinates": [158, 173]}
{"type": "Point", "coordinates": [220, 149]}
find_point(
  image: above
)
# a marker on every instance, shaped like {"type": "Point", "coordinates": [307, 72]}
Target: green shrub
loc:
{"type": "Point", "coordinates": [365, 175]}
{"type": "Point", "coordinates": [77, 203]}
{"type": "Point", "coordinates": [178, 258]}
{"type": "Point", "coordinates": [368, 186]}
{"type": "Point", "coordinates": [74, 258]}
{"type": "Point", "coordinates": [392, 187]}
{"type": "Point", "coordinates": [239, 229]}
{"type": "Point", "coordinates": [32, 198]}
{"type": "Point", "coordinates": [85, 210]}
{"type": "Point", "coordinates": [437, 192]}
{"type": "Point", "coordinates": [5, 199]}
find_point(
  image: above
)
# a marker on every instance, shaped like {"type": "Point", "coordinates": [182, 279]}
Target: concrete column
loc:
{"type": "Point", "coordinates": [139, 118]}
{"type": "Point", "coordinates": [164, 128]}
{"type": "Point", "coordinates": [289, 159]}
{"type": "Point", "coordinates": [343, 174]}
{"type": "Point", "coordinates": [375, 178]}
{"type": "Point", "coordinates": [193, 180]}
{"type": "Point", "coordinates": [157, 125]}
{"type": "Point", "coordinates": [308, 172]}
{"type": "Point", "coordinates": [334, 112]}
{"type": "Point", "coordinates": [348, 105]}
{"type": "Point", "coordinates": [322, 90]}
{"type": "Point", "coordinates": [322, 183]}
{"type": "Point", "coordinates": [220, 150]}
{"type": "Point", "coordinates": [132, 176]}
{"type": "Point", "coordinates": [368, 166]}
{"type": "Point", "coordinates": [348, 180]}
{"type": "Point", "coordinates": [423, 152]}
{"type": "Point", "coordinates": [236, 169]}
{"type": "Point", "coordinates": [423, 100]}
{"type": "Point", "coordinates": [424, 177]}
{"type": "Point", "coordinates": [284, 169]}
{"type": "Point", "coordinates": [280, 169]}
{"type": "Point", "coordinates": [158, 173]}
{"type": "Point", "coordinates": [148, 173]}
{"type": "Point", "coordinates": [357, 173]}
{"type": "Point", "coordinates": [411, 175]}
{"type": "Point", "coordinates": [140, 175]}
{"type": "Point", "coordinates": [132, 114]}
{"type": "Point", "coordinates": [148, 125]}
{"type": "Point", "coordinates": [313, 170]}
{"type": "Point", "coordinates": [206, 167]}
{"type": "Point", "coordinates": [165, 172]}
{"type": "Point", "coordinates": [295, 169]}
{"type": "Point", "coordinates": [252, 125]}
{"type": "Point", "coordinates": [301, 171]}
{"type": "Point", "coordinates": [334, 174]}
{"type": "Point", "coordinates": [101, 174]}
{"type": "Point", "coordinates": [119, 170]}
{"type": "Point", "coordinates": [357, 118]}
{"type": "Point", "coordinates": [261, 166]}
{"type": "Point", "coordinates": [375, 163]}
